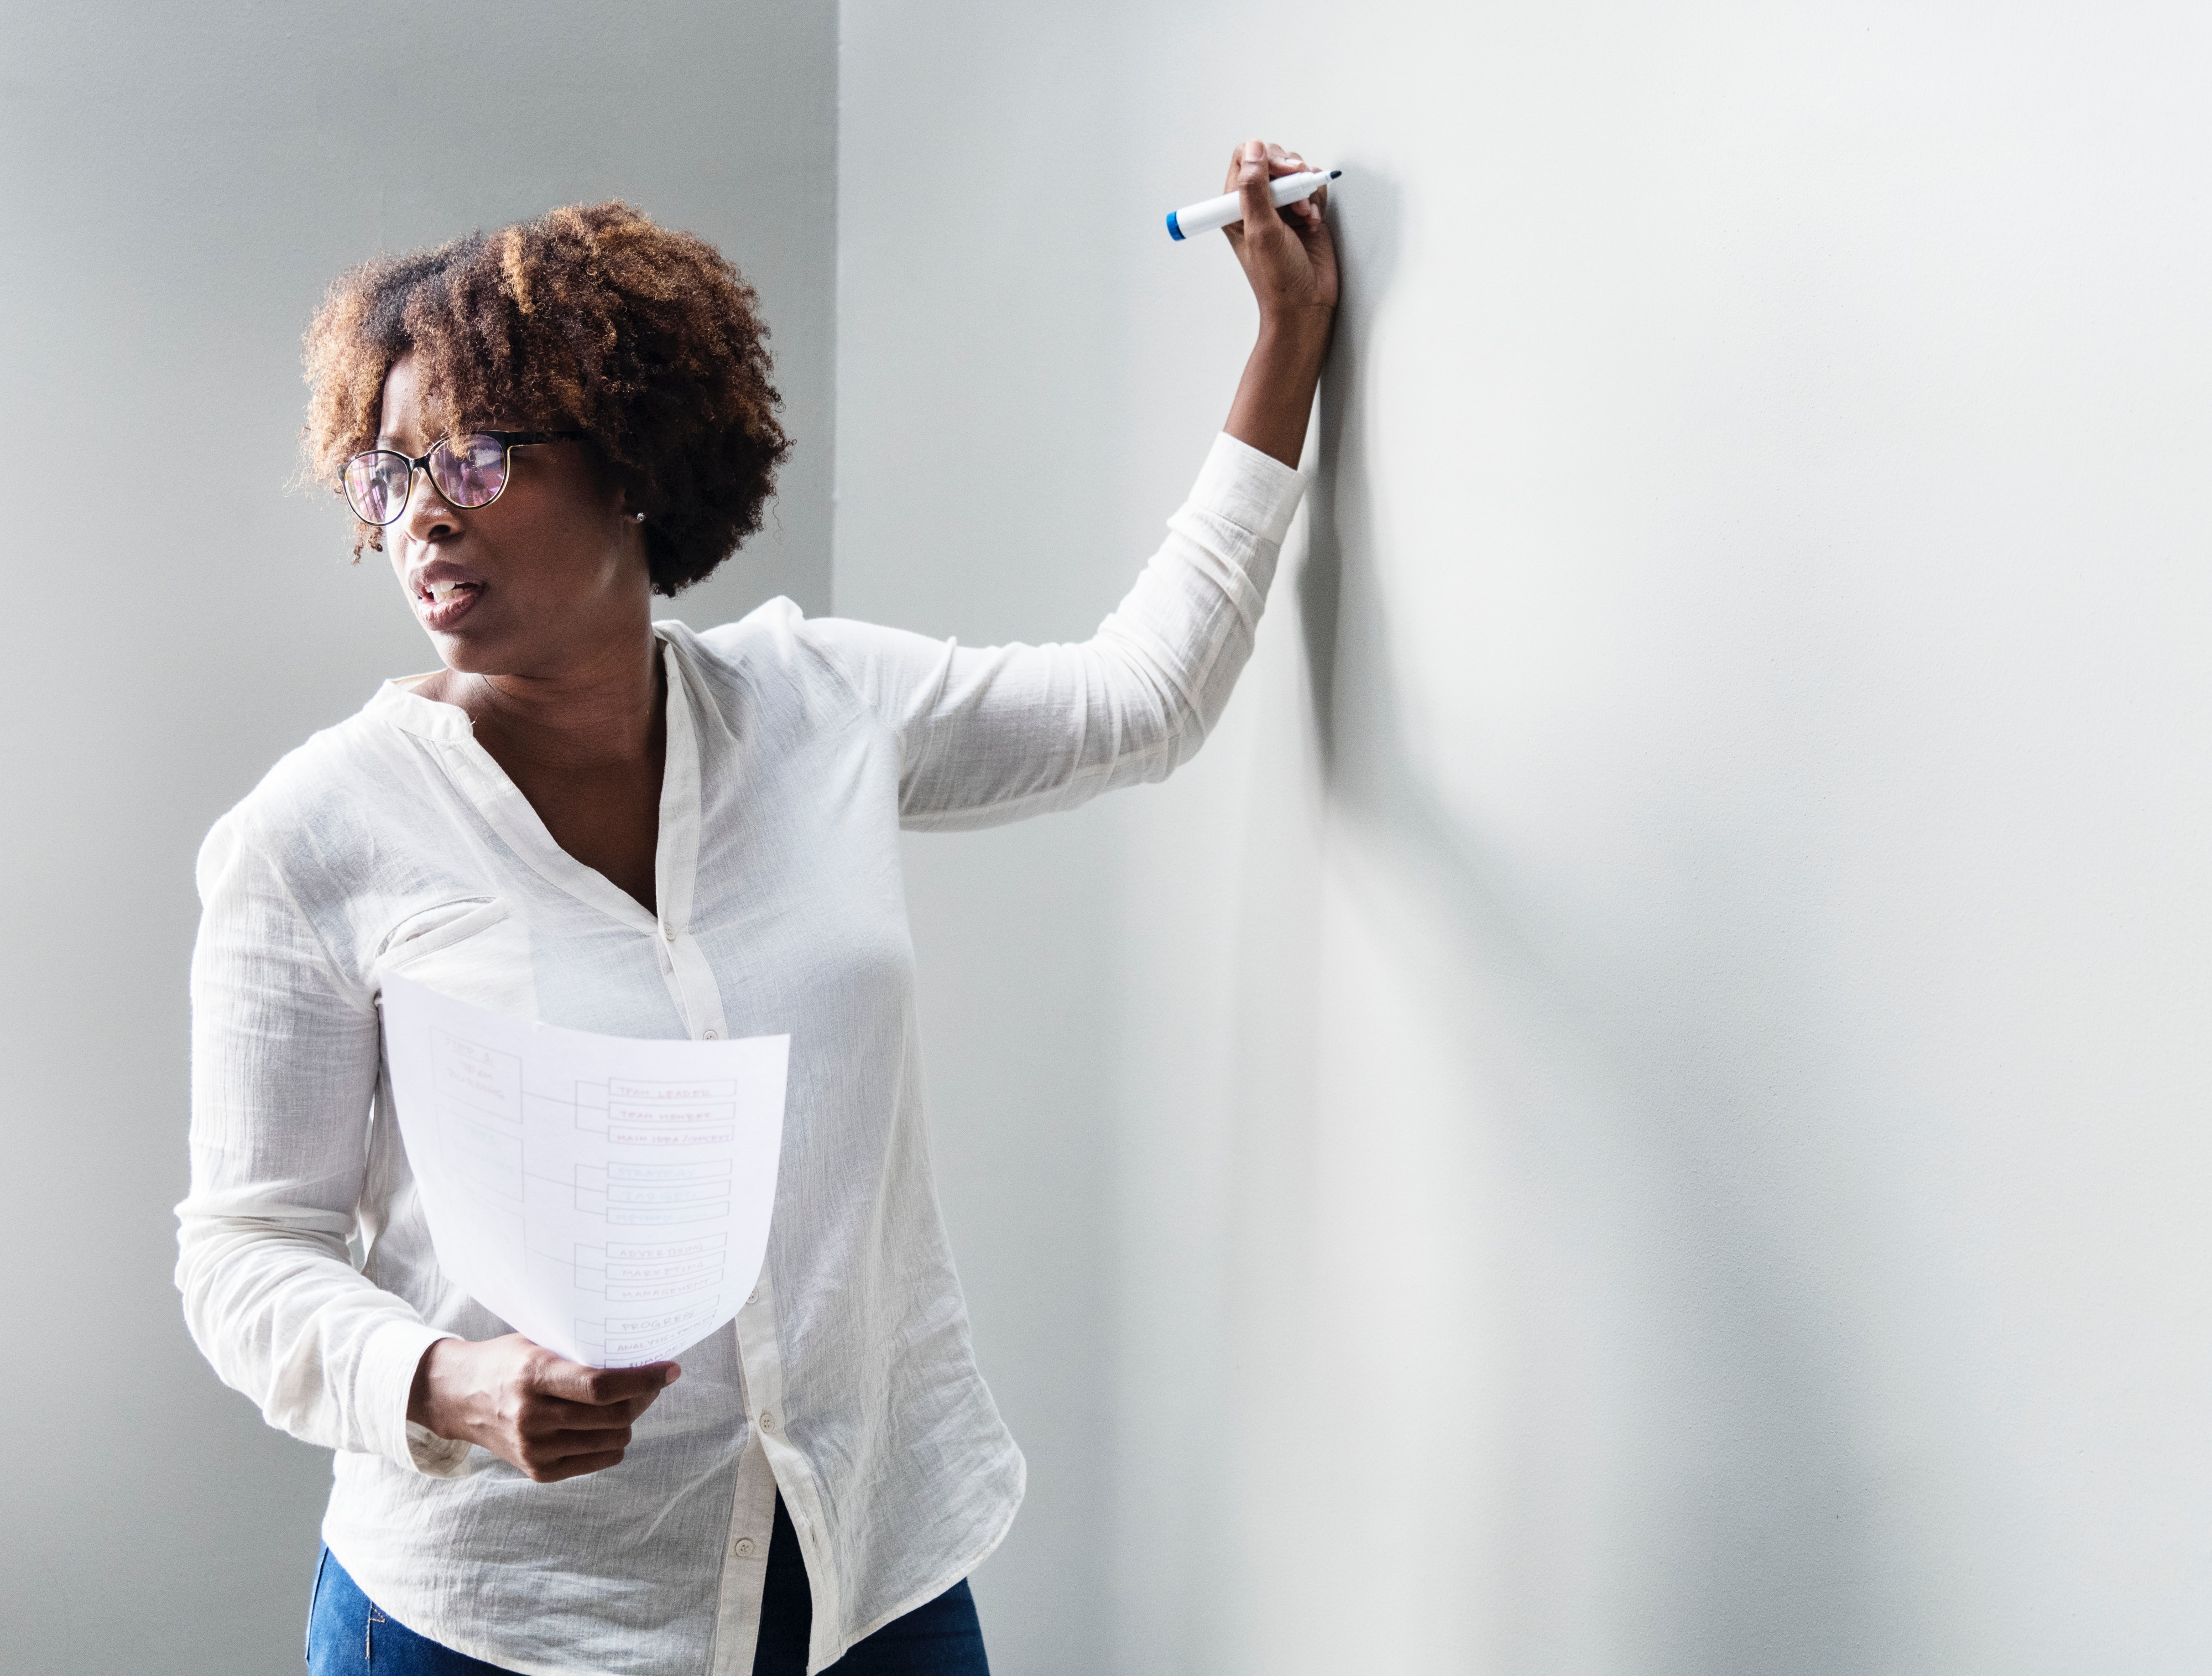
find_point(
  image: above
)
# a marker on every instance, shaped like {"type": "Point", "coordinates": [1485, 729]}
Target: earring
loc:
{"type": "Point", "coordinates": [640, 516]}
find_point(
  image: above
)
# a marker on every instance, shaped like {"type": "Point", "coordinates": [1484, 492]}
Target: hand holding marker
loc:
{"type": "Point", "coordinates": [1204, 217]}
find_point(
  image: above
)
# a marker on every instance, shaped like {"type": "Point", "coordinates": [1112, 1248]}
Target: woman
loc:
{"type": "Point", "coordinates": [614, 825]}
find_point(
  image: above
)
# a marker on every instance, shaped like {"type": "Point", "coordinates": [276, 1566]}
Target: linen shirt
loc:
{"type": "Point", "coordinates": [393, 842]}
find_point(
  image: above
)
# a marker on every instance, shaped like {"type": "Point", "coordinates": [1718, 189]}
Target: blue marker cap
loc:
{"type": "Point", "coordinates": [1173, 231]}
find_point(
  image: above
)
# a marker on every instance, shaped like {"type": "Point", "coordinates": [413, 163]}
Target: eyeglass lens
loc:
{"type": "Point", "coordinates": [468, 471]}
{"type": "Point", "coordinates": [376, 485]}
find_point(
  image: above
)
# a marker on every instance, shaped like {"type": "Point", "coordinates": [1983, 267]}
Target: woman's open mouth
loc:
{"type": "Point", "coordinates": [441, 605]}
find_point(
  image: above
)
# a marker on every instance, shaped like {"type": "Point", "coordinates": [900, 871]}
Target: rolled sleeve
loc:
{"type": "Point", "coordinates": [996, 734]}
{"type": "Point", "coordinates": [1254, 493]}
{"type": "Point", "coordinates": [386, 1381]}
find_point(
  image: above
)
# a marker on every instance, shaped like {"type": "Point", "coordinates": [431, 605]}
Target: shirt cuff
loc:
{"type": "Point", "coordinates": [388, 1364]}
{"type": "Point", "coordinates": [1254, 491]}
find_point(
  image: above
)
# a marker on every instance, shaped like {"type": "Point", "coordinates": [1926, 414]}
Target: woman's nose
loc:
{"type": "Point", "coordinates": [429, 515]}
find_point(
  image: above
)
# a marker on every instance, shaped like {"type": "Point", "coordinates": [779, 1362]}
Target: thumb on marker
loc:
{"type": "Point", "coordinates": [1254, 180]}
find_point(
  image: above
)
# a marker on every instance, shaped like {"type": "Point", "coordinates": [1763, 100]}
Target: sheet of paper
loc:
{"type": "Point", "coordinates": [607, 1197]}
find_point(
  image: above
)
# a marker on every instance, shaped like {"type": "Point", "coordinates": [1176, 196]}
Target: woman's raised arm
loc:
{"type": "Point", "coordinates": [1291, 261]}
{"type": "Point", "coordinates": [996, 734]}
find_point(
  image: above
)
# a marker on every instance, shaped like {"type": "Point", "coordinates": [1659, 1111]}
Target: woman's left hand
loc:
{"type": "Point", "coordinates": [1287, 253]}
{"type": "Point", "coordinates": [1290, 261]}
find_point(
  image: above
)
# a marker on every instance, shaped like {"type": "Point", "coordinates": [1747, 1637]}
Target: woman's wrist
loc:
{"type": "Point", "coordinates": [1276, 393]}
{"type": "Point", "coordinates": [424, 1407]}
{"type": "Point", "coordinates": [1297, 327]}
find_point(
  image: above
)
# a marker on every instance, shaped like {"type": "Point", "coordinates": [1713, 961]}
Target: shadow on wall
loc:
{"type": "Point", "coordinates": [1675, 1456]}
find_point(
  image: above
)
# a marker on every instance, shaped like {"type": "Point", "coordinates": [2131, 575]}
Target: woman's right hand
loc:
{"type": "Point", "coordinates": [552, 1417]}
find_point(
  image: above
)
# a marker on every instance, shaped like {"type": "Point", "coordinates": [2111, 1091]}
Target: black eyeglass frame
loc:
{"type": "Point", "coordinates": [508, 441]}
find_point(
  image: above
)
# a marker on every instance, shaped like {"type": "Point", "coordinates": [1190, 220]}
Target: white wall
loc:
{"type": "Point", "coordinates": [181, 184]}
{"type": "Point", "coordinates": [1641, 1107]}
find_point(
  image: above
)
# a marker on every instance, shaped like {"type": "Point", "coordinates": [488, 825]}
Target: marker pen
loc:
{"type": "Point", "coordinates": [1193, 218]}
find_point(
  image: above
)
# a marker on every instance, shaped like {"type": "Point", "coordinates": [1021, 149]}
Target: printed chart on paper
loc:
{"type": "Point", "coordinates": [607, 1196]}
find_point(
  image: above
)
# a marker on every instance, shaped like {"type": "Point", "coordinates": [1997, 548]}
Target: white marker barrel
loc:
{"type": "Point", "coordinates": [1195, 218]}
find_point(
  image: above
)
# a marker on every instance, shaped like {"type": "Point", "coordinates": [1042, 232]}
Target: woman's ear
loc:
{"type": "Point", "coordinates": [630, 488]}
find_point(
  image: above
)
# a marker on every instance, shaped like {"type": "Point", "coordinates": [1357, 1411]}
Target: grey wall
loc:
{"type": "Point", "coordinates": [1640, 1109]}
{"type": "Point", "coordinates": [181, 183]}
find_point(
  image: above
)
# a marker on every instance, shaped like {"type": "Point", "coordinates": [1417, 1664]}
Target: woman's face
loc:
{"type": "Point", "coordinates": [546, 576]}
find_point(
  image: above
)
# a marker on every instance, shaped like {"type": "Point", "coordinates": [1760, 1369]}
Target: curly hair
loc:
{"type": "Point", "coordinates": [589, 318]}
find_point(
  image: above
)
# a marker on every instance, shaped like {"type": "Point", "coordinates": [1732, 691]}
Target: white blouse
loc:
{"type": "Point", "coordinates": [393, 842]}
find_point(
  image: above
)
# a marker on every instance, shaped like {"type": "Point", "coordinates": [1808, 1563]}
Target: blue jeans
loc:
{"type": "Point", "coordinates": [349, 1635]}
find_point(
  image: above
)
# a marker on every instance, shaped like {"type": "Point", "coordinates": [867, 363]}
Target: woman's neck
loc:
{"type": "Point", "coordinates": [608, 707]}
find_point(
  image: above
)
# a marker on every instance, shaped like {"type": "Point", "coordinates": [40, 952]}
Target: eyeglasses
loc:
{"type": "Point", "coordinates": [468, 471]}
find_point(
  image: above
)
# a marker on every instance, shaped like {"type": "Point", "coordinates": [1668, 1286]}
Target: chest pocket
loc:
{"type": "Point", "coordinates": [472, 949]}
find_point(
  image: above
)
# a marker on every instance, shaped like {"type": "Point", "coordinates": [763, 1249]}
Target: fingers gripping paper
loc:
{"type": "Point", "coordinates": [607, 1197]}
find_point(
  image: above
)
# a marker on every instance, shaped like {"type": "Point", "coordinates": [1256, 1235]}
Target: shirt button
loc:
{"type": "Point", "coordinates": [713, 1035]}
{"type": "Point", "coordinates": [754, 1296]}
{"type": "Point", "coordinates": [767, 1421]}
{"type": "Point", "coordinates": [669, 932]}
{"type": "Point", "coordinates": [743, 1547]}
